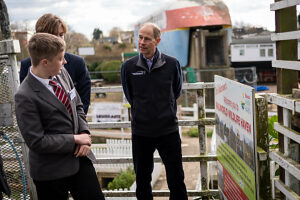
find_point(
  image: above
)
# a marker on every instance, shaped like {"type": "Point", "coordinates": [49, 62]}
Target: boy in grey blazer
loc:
{"type": "Point", "coordinates": [52, 123]}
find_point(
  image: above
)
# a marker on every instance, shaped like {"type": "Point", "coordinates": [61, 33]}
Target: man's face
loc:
{"type": "Point", "coordinates": [55, 65]}
{"type": "Point", "coordinates": [147, 42]}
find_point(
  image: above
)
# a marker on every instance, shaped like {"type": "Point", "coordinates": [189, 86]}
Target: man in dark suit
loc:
{"type": "Point", "coordinates": [52, 122]}
{"type": "Point", "coordinates": [75, 65]}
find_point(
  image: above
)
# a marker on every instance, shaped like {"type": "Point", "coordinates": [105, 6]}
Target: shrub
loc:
{"type": "Point", "coordinates": [110, 71]}
{"type": "Point", "coordinates": [273, 135]}
{"type": "Point", "coordinates": [93, 66]}
{"type": "Point", "coordinates": [123, 180]}
{"type": "Point", "coordinates": [192, 132]}
{"type": "Point", "coordinates": [93, 70]}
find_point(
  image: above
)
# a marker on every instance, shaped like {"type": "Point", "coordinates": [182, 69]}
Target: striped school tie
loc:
{"type": "Point", "coordinates": [61, 95]}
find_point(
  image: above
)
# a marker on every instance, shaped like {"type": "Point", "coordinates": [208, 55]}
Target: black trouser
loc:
{"type": "Point", "coordinates": [83, 185]}
{"type": "Point", "coordinates": [169, 149]}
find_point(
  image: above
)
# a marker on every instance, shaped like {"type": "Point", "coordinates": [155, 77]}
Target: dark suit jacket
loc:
{"type": "Point", "coordinates": [78, 72]}
{"type": "Point", "coordinates": [48, 129]}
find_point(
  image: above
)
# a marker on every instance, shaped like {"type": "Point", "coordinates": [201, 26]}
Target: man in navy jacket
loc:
{"type": "Point", "coordinates": [152, 82]}
{"type": "Point", "coordinates": [49, 23]}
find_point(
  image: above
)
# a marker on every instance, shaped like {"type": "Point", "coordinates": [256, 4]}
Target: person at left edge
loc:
{"type": "Point", "coordinates": [52, 122]}
{"type": "Point", "coordinates": [50, 23]}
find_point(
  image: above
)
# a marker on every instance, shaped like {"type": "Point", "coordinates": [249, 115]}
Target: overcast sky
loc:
{"type": "Point", "coordinates": [85, 15]}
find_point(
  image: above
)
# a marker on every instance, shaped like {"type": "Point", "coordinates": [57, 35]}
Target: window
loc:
{"type": "Point", "coordinates": [270, 52]}
{"type": "Point", "coordinates": [262, 53]}
{"type": "Point", "coordinates": [242, 52]}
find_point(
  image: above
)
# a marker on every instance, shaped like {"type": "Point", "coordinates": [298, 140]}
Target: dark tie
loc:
{"type": "Point", "coordinates": [61, 95]}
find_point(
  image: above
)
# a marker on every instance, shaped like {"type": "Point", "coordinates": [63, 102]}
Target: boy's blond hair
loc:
{"type": "Point", "coordinates": [44, 46]}
{"type": "Point", "coordinates": [49, 23]}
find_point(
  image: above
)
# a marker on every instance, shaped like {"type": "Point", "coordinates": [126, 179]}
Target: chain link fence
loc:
{"type": "Point", "coordinates": [10, 140]}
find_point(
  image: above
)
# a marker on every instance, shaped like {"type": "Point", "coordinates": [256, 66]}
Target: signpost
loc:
{"type": "Point", "coordinates": [236, 153]}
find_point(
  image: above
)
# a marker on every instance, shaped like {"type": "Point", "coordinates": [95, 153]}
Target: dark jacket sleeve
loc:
{"type": "Point", "coordinates": [80, 76]}
{"type": "Point", "coordinates": [125, 83]}
{"type": "Point", "coordinates": [177, 85]}
{"type": "Point", "coordinates": [25, 64]}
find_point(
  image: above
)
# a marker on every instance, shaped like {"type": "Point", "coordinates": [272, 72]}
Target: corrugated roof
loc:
{"type": "Point", "coordinates": [253, 40]}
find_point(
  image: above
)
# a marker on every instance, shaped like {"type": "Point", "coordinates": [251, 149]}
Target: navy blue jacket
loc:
{"type": "Point", "coordinates": [78, 71]}
{"type": "Point", "coordinates": [152, 94]}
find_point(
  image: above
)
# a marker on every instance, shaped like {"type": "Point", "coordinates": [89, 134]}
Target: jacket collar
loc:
{"type": "Point", "coordinates": [160, 61]}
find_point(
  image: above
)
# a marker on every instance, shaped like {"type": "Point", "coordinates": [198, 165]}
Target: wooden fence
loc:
{"type": "Point", "coordinates": [203, 158]}
{"type": "Point", "coordinates": [287, 67]}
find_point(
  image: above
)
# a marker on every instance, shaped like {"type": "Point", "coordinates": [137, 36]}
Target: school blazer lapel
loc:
{"type": "Point", "coordinates": [43, 93]}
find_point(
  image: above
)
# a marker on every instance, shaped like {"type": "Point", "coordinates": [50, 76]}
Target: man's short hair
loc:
{"type": "Point", "coordinates": [44, 46]}
{"type": "Point", "coordinates": [49, 23]}
{"type": "Point", "coordinates": [155, 28]}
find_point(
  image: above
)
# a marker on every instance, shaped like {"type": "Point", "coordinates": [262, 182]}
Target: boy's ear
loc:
{"type": "Point", "coordinates": [44, 61]}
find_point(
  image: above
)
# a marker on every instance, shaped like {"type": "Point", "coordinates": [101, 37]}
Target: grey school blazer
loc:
{"type": "Point", "coordinates": [48, 129]}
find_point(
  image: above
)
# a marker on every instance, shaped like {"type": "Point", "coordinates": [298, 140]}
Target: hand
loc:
{"type": "Point", "coordinates": [82, 150]}
{"type": "Point", "coordinates": [83, 139]}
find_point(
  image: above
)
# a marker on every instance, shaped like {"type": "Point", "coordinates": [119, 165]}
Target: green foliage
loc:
{"type": "Point", "coordinates": [97, 33]}
{"type": "Point", "coordinates": [209, 133]}
{"type": "Point", "coordinates": [93, 66]}
{"type": "Point", "coordinates": [192, 132]}
{"type": "Point", "coordinates": [110, 71]}
{"type": "Point", "coordinates": [122, 46]}
{"type": "Point", "coordinates": [123, 180]}
{"type": "Point", "coordinates": [107, 47]}
{"type": "Point", "coordinates": [273, 135]}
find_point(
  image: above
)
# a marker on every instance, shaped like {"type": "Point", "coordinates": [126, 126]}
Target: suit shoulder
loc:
{"type": "Point", "coordinates": [73, 57]}
{"type": "Point", "coordinates": [26, 62]}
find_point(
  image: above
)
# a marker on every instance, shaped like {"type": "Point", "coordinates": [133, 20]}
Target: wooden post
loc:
{"type": "Point", "coordinates": [202, 139]}
{"type": "Point", "coordinates": [262, 140]}
{"type": "Point", "coordinates": [285, 20]}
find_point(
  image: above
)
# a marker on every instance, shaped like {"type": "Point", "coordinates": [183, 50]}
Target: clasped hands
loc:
{"type": "Point", "coordinates": [83, 143]}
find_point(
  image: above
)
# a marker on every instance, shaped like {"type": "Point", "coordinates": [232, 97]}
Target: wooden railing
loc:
{"type": "Point", "coordinates": [287, 157]}
{"type": "Point", "coordinates": [203, 158]}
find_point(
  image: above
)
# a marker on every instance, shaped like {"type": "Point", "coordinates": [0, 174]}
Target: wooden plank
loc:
{"type": "Point", "coordinates": [284, 4]}
{"type": "Point", "coordinates": [161, 193]}
{"type": "Point", "coordinates": [290, 194]}
{"type": "Point", "coordinates": [281, 100]}
{"type": "Point", "coordinates": [284, 64]}
{"type": "Point", "coordinates": [118, 160]}
{"type": "Point", "coordinates": [286, 163]}
{"type": "Point", "coordinates": [127, 124]}
{"type": "Point", "coordinates": [294, 135]}
{"type": "Point", "coordinates": [9, 47]}
{"type": "Point", "coordinates": [297, 106]}
{"type": "Point", "coordinates": [197, 86]}
{"type": "Point", "coordinates": [289, 35]}
{"type": "Point", "coordinates": [185, 86]}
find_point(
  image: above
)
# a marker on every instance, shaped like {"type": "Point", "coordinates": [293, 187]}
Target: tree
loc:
{"type": "Point", "coordinates": [115, 31]}
{"type": "Point", "coordinates": [4, 21]}
{"type": "Point", "coordinates": [97, 34]}
{"type": "Point", "coordinates": [74, 41]}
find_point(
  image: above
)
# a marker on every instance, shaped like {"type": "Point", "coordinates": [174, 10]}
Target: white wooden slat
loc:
{"type": "Point", "coordinates": [285, 64]}
{"type": "Point", "coordinates": [281, 100]}
{"type": "Point", "coordinates": [297, 106]}
{"type": "Point", "coordinates": [284, 4]}
{"type": "Point", "coordinates": [287, 163]}
{"type": "Point", "coordinates": [294, 135]}
{"type": "Point", "coordinates": [290, 194]}
{"type": "Point", "coordinates": [127, 124]}
{"type": "Point", "coordinates": [190, 86]}
{"type": "Point", "coordinates": [291, 35]}
{"type": "Point", "coordinates": [199, 85]}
